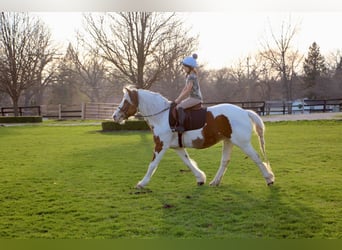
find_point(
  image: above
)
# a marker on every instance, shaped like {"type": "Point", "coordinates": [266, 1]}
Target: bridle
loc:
{"type": "Point", "coordinates": [125, 109]}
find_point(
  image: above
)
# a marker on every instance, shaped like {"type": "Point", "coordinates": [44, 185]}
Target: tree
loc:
{"type": "Point", "coordinates": [224, 85]}
{"type": "Point", "coordinates": [314, 65]}
{"type": "Point", "coordinates": [282, 57]}
{"type": "Point", "coordinates": [66, 80]}
{"type": "Point", "coordinates": [91, 72]}
{"type": "Point", "coordinates": [24, 53]}
{"type": "Point", "coordinates": [141, 46]}
{"type": "Point", "coordinates": [338, 70]}
{"type": "Point", "coordinates": [335, 88]}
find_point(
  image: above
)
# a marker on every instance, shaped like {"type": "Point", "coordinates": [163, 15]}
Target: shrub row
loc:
{"type": "Point", "coordinates": [20, 119]}
{"type": "Point", "coordinates": [129, 125]}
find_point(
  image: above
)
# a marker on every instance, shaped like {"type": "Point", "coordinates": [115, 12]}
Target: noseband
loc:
{"type": "Point", "coordinates": [128, 109]}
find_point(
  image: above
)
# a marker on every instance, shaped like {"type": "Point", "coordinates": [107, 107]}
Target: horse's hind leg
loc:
{"type": "Point", "coordinates": [265, 170]}
{"type": "Point", "coordinates": [226, 152]}
{"type": "Point", "coordinates": [200, 175]}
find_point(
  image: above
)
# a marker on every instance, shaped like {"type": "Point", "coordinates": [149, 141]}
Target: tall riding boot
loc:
{"type": "Point", "coordinates": [181, 119]}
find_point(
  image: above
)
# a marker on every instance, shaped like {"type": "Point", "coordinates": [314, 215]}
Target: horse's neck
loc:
{"type": "Point", "coordinates": [150, 103]}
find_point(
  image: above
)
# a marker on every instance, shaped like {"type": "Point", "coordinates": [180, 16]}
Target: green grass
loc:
{"type": "Point", "coordinates": [76, 182]}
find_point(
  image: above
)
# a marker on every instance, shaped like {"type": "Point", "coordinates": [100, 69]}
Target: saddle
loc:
{"type": "Point", "coordinates": [194, 117]}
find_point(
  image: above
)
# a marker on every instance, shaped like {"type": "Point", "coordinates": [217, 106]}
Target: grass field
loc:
{"type": "Point", "coordinates": [77, 182]}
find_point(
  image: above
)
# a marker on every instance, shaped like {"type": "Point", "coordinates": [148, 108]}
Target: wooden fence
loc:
{"type": "Point", "coordinates": [303, 106]}
{"type": "Point", "coordinates": [99, 110]}
{"type": "Point", "coordinates": [23, 111]}
{"type": "Point", "coordinates": [257, 106]}
{"type": "Point", "coordinates": [105, 110]}
{"type": "Point", "coordinates": [82, 111]}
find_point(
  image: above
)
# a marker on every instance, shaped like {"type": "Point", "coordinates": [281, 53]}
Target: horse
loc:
{"type": "Point", "coordinates": [224, 122]}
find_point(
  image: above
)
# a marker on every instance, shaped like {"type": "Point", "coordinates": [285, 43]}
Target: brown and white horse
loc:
{"type": "Point", "coordinates": [225, 122]}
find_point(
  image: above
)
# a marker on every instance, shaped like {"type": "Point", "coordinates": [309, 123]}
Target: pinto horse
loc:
{"type": "Point", "coordinates": [225, 122]}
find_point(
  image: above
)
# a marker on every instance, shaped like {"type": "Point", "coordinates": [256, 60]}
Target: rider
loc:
{"type": "Point", "coordinates": [191, 94]}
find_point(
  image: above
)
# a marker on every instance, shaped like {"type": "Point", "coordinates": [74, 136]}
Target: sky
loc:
{"type": "Point", "coordinates": [229, 30]}
{"type": "Point", "coordinates": [229, 36]}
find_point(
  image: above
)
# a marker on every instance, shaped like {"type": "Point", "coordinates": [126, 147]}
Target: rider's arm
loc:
{"type": "Point", "coordinates": [185, 92]}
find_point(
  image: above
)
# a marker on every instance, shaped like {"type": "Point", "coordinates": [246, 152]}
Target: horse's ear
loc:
{"type": "Point", "coordinates": [133, 95]}
{"type": "Point", "coordinates": [126, 90]}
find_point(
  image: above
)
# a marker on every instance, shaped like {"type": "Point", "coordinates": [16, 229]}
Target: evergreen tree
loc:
{"type": "Point", "coordinates": [337, 79]}
{"type": "Point", "coordinates": [314, 66]}
{"type": "Point", "coordinates": [338, 71]}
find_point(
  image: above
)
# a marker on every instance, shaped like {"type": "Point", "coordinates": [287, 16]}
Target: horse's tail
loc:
{"type": "Point", "coordinates": [259, 128]}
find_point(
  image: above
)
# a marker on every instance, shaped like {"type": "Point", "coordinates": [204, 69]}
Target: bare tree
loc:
{"type": "Point", "coordinates": [24, 53]}
{"type": "Point", "coordinates": [140, 45]}
{"type": "Point", "coordinates": [227, 86]}
{"type": "Point", "coordinates": [91, 71]}
{"type": "Point", "coordinates": [265, 80]}
{"type": "Point", "coordinates": [282, 57]}
{"type": "Point", "coordinates": [65, 87]}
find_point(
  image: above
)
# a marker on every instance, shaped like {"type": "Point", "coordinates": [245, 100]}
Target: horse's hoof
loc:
{"type": "Point", "coordinates": [200, 183]}
{"type": "Point", "coordinates": [139, 186]}
{"type": "Point", "coordinates": [213, 184]}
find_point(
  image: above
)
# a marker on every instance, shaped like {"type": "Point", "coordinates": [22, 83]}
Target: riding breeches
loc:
{"type": "Point", "coordinates": [189, 102]}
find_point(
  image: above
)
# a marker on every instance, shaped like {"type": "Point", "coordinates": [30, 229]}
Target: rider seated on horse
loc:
{"type": "Point", "coordinates": [191, 94]}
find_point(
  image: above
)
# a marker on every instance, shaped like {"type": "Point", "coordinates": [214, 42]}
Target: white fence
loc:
{"type": "Point", "coordinates": [99, 110]}
{"type": "Point", "coordinates": [82, 111]}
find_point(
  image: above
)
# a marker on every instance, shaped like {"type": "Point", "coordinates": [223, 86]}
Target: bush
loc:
{"type": "Point", "coordinates": [129, 125]}
{"type": "Point", "coordinates": [20, 119]}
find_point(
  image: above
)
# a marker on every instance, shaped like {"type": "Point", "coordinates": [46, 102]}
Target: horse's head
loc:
{"type": "Point", "coordinates": [128, 105]}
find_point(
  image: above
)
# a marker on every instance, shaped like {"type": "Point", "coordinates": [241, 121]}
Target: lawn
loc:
{"type": "Point", "coordinates": [76, 182]}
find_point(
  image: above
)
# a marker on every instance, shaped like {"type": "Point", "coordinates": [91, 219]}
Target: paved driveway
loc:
{"type": "Point", "coordinates": [297, 117]}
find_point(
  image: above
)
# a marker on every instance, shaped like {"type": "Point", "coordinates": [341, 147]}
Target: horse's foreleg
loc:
{"type": "Point", "coordinates": [199, 174]}
{"type": "Point", "coordinates": [264, 168]}
{"type": "Point", "coordinates": [157, 156]}
{"type": "Point", "coordinates": [226, 152]}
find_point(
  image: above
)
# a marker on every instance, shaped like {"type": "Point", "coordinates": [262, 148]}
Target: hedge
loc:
{"type": "Point", "coordinates": [20, 119]}
{"type": "Point", "coordinates": [128, 125]}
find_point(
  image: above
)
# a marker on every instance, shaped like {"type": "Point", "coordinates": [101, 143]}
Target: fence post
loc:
{"type": "Point", "coordinates": [83, 109]}
{"type": "Point", "coordinates": [59, 111]}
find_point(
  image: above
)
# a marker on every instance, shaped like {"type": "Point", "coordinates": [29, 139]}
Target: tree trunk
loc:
{"type": "Point", "coordinates": [15, 101]}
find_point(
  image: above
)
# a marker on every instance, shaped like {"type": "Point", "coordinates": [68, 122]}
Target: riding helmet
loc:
{"type": "Point", "coordinates": [190, 61]}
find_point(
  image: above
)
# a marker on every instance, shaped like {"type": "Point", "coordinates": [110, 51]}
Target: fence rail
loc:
{"type": "Point", "coordinates": [99, 110]}
{"type": "Point", "coordinates": [105, 110]}
{"type": "Point", "coordinates": [23, 111]}
{"type": "Point", "coordinates": [257, 106]}
{"type": "Point", "coordinates": [83, 111]}
{"type": "Point", "coordinates": [303, 106]}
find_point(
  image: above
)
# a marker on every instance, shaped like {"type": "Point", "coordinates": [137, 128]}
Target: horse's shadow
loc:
{"type": "Point", "coordinates": [228, 212]}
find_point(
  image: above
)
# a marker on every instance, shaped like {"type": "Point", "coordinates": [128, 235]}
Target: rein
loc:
{"type": "Point", "coordinates": [156, 113]}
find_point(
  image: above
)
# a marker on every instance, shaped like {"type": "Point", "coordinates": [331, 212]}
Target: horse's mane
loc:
{"type": "Point", "coordinates": [149, 99]}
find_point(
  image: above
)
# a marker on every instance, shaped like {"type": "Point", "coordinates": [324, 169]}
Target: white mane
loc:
{"type": "Point", "coordinates": [151, 102]}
